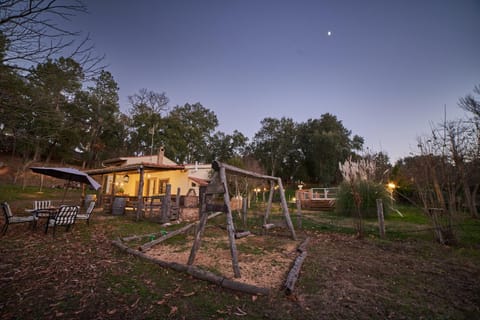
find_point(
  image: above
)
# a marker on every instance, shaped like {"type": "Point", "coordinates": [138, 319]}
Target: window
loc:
{"type": "Point", "coordinates": [162, 186]}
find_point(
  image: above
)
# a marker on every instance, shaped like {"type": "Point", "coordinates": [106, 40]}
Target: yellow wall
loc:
{"type": "Point", "coordinates": [177, 179]}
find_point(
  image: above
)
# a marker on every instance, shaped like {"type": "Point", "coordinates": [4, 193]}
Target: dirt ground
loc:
{"type": "Point", "coordinates": [262, 267]}
{"type": "Point", "coordinates": [80, 275]}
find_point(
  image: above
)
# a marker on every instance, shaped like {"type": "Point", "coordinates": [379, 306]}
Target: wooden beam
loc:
{"type": "Point", "coordinates": [230, 226]}
{"type": "Point", "coordinates": [197, 272]}
{"type": "Point", "coordinates": [198, 235]}
{"type": "Point", "coordinates": [216, 165]}
{"type": "Point", "coordinates": [269, 204]}
{"type": "Point", "coordinates": [285, 209]}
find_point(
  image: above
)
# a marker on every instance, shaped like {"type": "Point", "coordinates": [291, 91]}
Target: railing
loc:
{"type": "Point", "coordinates": [317, 194]}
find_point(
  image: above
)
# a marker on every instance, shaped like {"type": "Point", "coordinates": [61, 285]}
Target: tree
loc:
{"type": "Point", "coordinates": [226, 147]}
{"type": "Point", "coordinates": [275, 146]}
{"type": "Point", "coordinates": [471, 104]}
{"type": "Point", "coordinates": [13, 107]}
{"type": "Point", "coordinates": [324, 143]}
{"type": "Point", "coordinates": [186, 133]}
{"type": "Point", "coordinates": [34, 32]}
{"type": "Point", "coordinates": [148, 109]}
{"type": "Point", "coordinates": [53, 87]}
{"type": "Point", "coordinates": [101, 120]}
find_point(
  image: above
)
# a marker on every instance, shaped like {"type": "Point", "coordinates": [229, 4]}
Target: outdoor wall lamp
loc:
{"type": "Point", "coordinates": [126, 178]}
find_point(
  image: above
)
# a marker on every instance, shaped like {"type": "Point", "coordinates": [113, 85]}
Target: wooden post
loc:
{"type": "Point", "coordinates": [230, 226]}
{"type": "Point", "coordinates": [269, 204]}
{"type": "Point", "coordinates": [177, 198]}
{"type": "Point", "coordinates": [140, 193]}
{"type": "Point", "coordinates": [381, 218]}
{"type": "Point", "coordinates": [285, 209]}
{"type": "Point", "coordinates": [244, 212]}
{"type": "Point", "coordinates": [166, 204]}
{"type": "Point", "coordinates": [299, 214]}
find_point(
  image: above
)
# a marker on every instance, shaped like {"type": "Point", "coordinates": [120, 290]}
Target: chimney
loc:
{"type": "Point", "coordinates": [161, 152]}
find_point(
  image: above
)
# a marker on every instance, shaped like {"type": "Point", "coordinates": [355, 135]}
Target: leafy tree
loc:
{"type": "Point", "coordinates": [13, 106]}
{"type": "Point", "coordinates": [275, 145]}
{"type": "Point", "coordinates": [101, 122]}
{"type": "Point", "coordinates": [227, 147]}
{"type": "Point", "coordinates": [324, 143]}
{"type": "Point", "coordinates": [53, 86]}
{"type": "Point", "coordinates": [148, 109]}
{"type": "Point", "coordinates": [186, 133]}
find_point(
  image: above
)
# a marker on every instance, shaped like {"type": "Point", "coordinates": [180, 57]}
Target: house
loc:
{"type": "Point", "coordinates": [146, 177]}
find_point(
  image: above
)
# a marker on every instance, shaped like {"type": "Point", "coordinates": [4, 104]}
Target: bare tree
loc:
{"type": "Point", "coordinates": [470, 103]}
{"type": "Point", "coordinates": [433, 176]}
{"type": "Point", "coordinates": [31, 32]}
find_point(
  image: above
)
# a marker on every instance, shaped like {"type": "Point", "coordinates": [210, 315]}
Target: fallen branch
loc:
{"type": "Point", "coordinates": [297, 265]}
{"type": "Point", "coordinates": [150, 244]}
{"type": "Point", "coordinates": [303, 246]}
{"type": "Point", "coordinates": [147, 246]}
{"type": "Point", "coordinates": [239, 235]}
{"type": "Point", "coordinates": [135, 237]}
{"type": "Point", "coordinates": [268, 226]}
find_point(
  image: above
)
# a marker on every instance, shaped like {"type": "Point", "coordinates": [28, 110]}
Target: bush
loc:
{"type": "Point", "coordinates": [369, 193]}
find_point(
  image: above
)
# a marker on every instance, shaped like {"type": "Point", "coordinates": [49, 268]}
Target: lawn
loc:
{"type": "Point", "coordinates": [79, 274]}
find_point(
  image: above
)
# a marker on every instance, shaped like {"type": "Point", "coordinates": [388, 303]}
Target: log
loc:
{"type": "Point", "coordinates": [150, 244]}
{"type": "Point", "coordinates": [204, 275]}
{"type": "Point", "coordinates": [135, 237]}
{"type": "Point", "coordinates": [294, 273]}
{"type": "Point", "coordinates": [244, 287]}
{"type": "Point", "coordinates": [269, 226]}
{"type": "Point", "coordinates": [197, 272]}
{"type": "Point", "coordinates": [244, 234]}
{"type": "Point", "coordinates": [303, 246]}
{"type": "Point", "coordinates": [166, 264]}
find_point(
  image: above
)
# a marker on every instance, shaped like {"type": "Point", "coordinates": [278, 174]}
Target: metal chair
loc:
{"type": "Point", "coordinates": [65, 217]}
{"type": "Point", "coordinates": [88, 213]}
{"type": "Point", "coordinates": [41, 204]}
{"type": "Point", "coordinates": [11, 219]}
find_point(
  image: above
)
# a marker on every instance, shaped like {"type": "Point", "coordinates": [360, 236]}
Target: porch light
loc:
{"type": "Point", "coordinates": [126, 178]}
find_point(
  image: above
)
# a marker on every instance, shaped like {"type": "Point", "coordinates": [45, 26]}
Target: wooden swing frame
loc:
{"type": "Point", "coordinates": [219, 185]}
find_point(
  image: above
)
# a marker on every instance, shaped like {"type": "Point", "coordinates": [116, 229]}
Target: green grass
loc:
{"type": "Point", "coordinates": [152, 292]}
{"type": "Point", "coordinates": [17, 192]}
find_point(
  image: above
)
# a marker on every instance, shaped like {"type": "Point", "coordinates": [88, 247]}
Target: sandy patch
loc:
{"type": "Point", "coordinates": [261, 263]}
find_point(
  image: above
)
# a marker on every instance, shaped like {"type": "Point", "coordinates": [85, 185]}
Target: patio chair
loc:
{"type": "Point", "coordinates": [11, 219]}
{"type": "Point", "coordinates": [88, 213]}
{"type": "Point", "coordinates": [65, 217]}
{"type": "Point", "coordinates": [41, 207]}
{"type": "Point", "coordinates": [41, 204]}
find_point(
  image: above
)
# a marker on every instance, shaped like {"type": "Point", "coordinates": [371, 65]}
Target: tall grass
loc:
{"type": "Point", "coordinates": [369, 192]}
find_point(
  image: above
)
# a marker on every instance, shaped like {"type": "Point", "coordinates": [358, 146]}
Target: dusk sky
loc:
{"type": "Point", "coordinates": [386, 70]}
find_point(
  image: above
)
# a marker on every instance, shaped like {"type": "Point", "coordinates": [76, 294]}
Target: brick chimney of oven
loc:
{"type": "Point", "coordinates": [161, 152]}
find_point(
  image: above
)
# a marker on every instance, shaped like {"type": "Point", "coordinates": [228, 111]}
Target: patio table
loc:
{"type": "Point", "coordinates": [41, 214]}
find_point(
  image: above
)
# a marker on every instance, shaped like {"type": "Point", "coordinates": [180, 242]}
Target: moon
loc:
{"type": "Point", "coordinates": [329, 33]}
